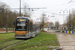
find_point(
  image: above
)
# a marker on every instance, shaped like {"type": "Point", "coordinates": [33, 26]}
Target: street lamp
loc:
{"type": "Point", "coordinates": [69, 19]}
{"type": "Point", "coordinates": [69, 15]}
{"type": "Point", "coordinates": [63, 16]}
{"type": "Point", "coordinates": [7, 23]}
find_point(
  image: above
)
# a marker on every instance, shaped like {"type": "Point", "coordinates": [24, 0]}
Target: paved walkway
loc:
{"type": "Point", "coordinates": [5, 31]}
{"type": "Point", "coordinates": [66, 41]}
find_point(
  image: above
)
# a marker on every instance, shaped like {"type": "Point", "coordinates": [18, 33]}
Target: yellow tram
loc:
{"type": "Point", "coordinates": [26, 28]}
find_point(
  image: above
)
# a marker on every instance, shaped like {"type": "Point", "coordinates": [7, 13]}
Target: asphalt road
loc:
{"type": "Point", "coordinates": [66, 41]}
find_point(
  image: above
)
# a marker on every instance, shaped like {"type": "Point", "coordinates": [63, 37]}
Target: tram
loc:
{"type": "Point", "coordinates": [26, 28]}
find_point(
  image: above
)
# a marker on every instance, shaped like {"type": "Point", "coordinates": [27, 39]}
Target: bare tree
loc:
{"type": "Point", "coordinates": [43, 20]}
{"type": "Point", "coordinates": [51, 23]}
{"type": "Point", "coordinates": [71, 20]}
{"type": "Point", "coordinates": [3, 15]}
{"type": "Point", "coordinates": [3, 6]}
{"type": "Point", "coordinates": [57, 25]}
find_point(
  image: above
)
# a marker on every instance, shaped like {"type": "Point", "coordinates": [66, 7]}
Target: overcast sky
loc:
{"type": "Point", "coordinates": [52, 6]}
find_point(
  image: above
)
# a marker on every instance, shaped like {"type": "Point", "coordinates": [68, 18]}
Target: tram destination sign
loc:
{"type": "Point", "coordinates": [21, 19]}
{"type": "Point", "coordinates": [20, 24]}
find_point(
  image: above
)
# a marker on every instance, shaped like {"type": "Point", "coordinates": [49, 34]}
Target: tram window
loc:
{"type": "Point", "coordinates": [34, 27]}
{"type": "Point", "coordinates": [21, 26]}
{"type": "Point", "coordinates": [30, 27]}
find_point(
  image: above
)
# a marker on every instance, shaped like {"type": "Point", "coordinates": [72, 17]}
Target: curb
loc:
{"type": "Point", "coordinates": [58, 49]}
{"type": "Point", "coordinates": [58, 43]}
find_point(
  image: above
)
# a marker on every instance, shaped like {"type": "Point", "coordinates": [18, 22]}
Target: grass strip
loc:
{"type": "Point", "coordinates": [42, 40]}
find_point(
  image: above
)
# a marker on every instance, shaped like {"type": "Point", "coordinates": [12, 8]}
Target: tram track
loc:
{"type": "Point", "coordinates": [13, 44]}
{"type": "Point", "coordinates": [7, 41]}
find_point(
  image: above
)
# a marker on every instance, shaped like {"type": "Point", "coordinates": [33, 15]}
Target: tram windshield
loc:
{"type": "Point", "coordinates": [21, 24]}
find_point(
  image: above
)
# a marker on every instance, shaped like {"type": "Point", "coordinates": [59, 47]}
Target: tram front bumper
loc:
{"type": "Point", "coordinates": [20, 36]}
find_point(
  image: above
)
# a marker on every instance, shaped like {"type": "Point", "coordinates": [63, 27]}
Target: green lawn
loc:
{"type": "Point", "coordinates": [40, 42]}
{"type": "Point", "coordinates": [6, 37]}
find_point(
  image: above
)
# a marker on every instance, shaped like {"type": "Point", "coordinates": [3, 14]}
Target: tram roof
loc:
{"type": "Point", "coordinates": [22, 17]}
{"type": "Point", "coordinates": [25, 17]}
